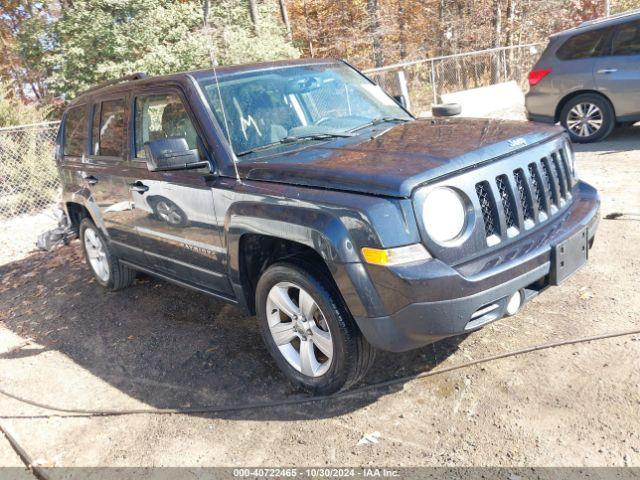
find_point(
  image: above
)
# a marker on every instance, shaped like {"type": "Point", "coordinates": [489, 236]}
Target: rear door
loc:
{"type": "Point", "coordinates": [106, 171]}
{"type": "Point", "coordinates": [618, 73]}
{"type": "Point", "coordinates": [174, 211]}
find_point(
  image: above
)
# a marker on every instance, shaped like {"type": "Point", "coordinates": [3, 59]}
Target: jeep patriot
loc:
{"type": "Point", "coordinates": [301, 192]}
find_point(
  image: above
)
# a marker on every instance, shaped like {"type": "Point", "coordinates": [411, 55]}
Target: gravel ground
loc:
{"type": "Point", "coordinates": [65, 341]}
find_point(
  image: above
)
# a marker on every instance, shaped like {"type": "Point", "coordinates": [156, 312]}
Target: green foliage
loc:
{"type": "Point", "coordinates": [97, 40]}
{"type": "Point", "coordinates": [14, 112]}
{"type": "Point", "coordinates": [235, 40]}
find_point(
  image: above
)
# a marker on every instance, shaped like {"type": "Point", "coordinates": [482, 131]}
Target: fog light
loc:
{"type": "Point", "coordinates": [514, 303]}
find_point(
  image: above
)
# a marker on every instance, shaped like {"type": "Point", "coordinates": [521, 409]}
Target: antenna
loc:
{"type": "Point", "coordinates": [214, 63]}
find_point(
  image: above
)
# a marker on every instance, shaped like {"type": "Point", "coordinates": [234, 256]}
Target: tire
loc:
{"type": "Point", "coordinates": [167, 211]}
{"type": "Point", "coordinates": [351, 355]}
{"type": "Point", "coordinates": [115, 276]}
{"type": "Point", "coordinates": [575, 113]}
{"type": "Point", "coordinates": [446, 109]}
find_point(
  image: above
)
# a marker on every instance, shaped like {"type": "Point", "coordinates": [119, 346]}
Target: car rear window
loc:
{"type": "Point", "coordinates": [627, 40]}
{"type": "Point", "coordinates": [108, 138]}
{"type": "Point", "coordinates": [584, 45]}
{"type": "Point", "coordinates": [75, 132]}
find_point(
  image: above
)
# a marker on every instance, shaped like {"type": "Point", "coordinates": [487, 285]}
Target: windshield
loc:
{"type": "Point", "coordinates": [283, 106]}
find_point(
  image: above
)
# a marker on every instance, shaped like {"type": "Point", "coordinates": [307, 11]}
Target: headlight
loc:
{"type": "Point", "coordinates": [444, 214]}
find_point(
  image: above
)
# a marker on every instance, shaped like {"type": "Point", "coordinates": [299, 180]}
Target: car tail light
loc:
{"type": "Point", "coordinates": [536, 75]}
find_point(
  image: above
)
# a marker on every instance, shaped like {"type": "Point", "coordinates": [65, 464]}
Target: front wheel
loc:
{"type": "Point", "coordinates": [308, 330]}
{"type": "Point", "coordinates": [588, 118]}
{"type": "Point", "coordinates": [105, 266]}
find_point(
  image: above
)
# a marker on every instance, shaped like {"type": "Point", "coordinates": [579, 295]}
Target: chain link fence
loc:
{"type": "Point", "coordinates": [28, 175]}
{"type": "Point", "coordinates": [425, 81]}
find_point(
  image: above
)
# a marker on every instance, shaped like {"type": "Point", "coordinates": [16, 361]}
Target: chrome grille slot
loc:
{"type": "Point", "coordinates": [567, 170]}
{"type": "Point", "coordinates": [508, 203]}
{"type": "Point", "coordinates": [523, 194]}
{"type": "Point", "coordinates": [489, 212]}
{"type": "Point", "coordinates": [549, 182]}
{"type": "Point", "coordinates": [538, 195]}
{"type": "Point", "coordinates": [559, 174]}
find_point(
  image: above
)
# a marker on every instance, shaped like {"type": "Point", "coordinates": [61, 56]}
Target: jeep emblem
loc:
{"type": "Point", "coordinates": [518, 142]}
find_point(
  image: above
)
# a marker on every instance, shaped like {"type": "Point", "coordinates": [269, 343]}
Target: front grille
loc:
{"type": "Point", "coordinates": [524, 196]}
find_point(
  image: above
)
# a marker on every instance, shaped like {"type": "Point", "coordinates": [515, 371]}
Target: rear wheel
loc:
{"type": "Point", "coordinates": [106, 268]}
{"type": "Point", "coordinates": [588, 118]}
{"type": "Point", "coordinates": [308, 331]}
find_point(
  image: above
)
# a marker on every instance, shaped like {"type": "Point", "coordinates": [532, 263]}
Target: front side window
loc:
{"type": "Point", "coordinates": [262, 108]}
{"type": "Point", "coordinates": [108, 138]}
{"type": "Point", "coordinates": [584, 45]}
{"type": "Point", "coordinates": [627, 40]}
{"type": "Point", "coordinates": [162, 116]}
{"type": "Point", "coordinates": [75, 132]}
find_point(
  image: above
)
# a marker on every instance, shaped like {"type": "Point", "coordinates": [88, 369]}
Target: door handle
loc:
{"type": "Point", "coordinates": [138, 187]}
{"type": "Point", "coordinates": [606, 71]}
{"type": "Point", "coordinates": [90, 179]}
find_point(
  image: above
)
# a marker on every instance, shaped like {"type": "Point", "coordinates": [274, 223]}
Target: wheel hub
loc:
{"type": "Point", "coordinates": [299, 329]}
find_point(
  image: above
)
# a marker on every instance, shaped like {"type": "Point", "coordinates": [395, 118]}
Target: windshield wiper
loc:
{"type": "Point", "coordinates": [294, 139]}
{"type": "Point", "coordinates": [378, 121]}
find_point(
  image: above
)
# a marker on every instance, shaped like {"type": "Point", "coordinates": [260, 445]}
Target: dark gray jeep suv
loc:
{"type": "Point", "coordinates": [588, 78]}
{"type": "Point", "coordinates": [304, 194]}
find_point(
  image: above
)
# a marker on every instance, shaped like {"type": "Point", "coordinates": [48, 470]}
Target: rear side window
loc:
{"type": "Point", "coordinates": [108, 137]}
{"type": "Point", "coordinates": [584, 45]}
{"type": "Point", "coordinates": [75, 132]}
{"type": "Point", "coordinates": [627, 40]}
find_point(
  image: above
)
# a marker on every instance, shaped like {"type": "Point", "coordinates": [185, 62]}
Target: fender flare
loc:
{"type": "Point", "coordinates": [317, 229]}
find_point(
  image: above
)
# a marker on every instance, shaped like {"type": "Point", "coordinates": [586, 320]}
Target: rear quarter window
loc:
{"type": "Point", "coordinates": [108, 137]}
{"type": "Point", "coordinates": [75, 132]}
{"type": "Point", "coordinates": [627, 40]}
{"type": "Point", "coordinates": [584, 45]}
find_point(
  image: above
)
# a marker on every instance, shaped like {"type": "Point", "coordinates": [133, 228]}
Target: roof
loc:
{"type": "Point", "coordinates": [141, 79]}
{"type": "Point", "coordinates": [602, 22]}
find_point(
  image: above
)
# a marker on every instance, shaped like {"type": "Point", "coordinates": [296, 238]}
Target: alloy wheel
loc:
{"type": "Point", "coordinates": [585, 119]}
{"type": "Point", "coordinates": [96, 254]}
{"type": "Point", "coordinates": [299, 329]}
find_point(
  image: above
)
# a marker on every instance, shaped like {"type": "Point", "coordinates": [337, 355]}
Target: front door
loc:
{"type": "Point", "coordinates": [618, 75]}
{"type": "Point", "coordinates": [174, 211]}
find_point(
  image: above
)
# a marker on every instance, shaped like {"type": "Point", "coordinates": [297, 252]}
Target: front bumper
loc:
{"type": "Point", "coordinates": [446, 301]}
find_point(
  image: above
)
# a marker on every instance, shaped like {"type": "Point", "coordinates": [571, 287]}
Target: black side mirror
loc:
{"type": "Point", "coordinates": [171, 153]}
{"type": "Point", "coordinates": [401, 100]}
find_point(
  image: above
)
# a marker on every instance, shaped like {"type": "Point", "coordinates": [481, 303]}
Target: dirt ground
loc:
{"type": "Point", "coordinates": [65, 341]}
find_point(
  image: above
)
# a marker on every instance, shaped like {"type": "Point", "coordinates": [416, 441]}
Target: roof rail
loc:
{"type": "Point", "coordinates": [610, 17]}
{"type": "Point", "coordinates": [126, 78]}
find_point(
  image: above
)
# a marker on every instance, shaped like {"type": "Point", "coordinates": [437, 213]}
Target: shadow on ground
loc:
{"type": "Point", "coordinates": [164, 345]}
{"type": "Point", "coordinates": [622, 139]}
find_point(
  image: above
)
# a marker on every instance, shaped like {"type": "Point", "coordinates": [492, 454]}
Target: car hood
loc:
{"type": "Point", "coordinates": [394, 160]}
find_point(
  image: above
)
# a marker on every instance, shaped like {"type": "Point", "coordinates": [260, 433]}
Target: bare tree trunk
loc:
{"type": "Point", "coordinates": [253, 11]}
{"type": "Point", "coordinates": [497, 34]}
{"type": "Point", "coordinates": [511, 19]}
{"type": "Point", "coordinates": [284, 13]}
{"type": "Point", "coordinates": [402, 39]}
{"type": "Point", "coordinates": [374, 28]}
{"type": "Point", "coordinates": [308, 30]}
